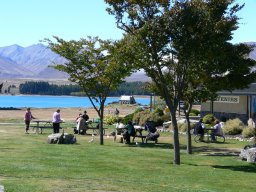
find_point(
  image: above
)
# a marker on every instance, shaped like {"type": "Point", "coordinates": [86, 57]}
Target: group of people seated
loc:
{"type": "Point", "coordinates": [81, 123]}
{"type": "Point", "coordinates": [200, 130]}
{"type": "Point", "coordinates": [128, 131]}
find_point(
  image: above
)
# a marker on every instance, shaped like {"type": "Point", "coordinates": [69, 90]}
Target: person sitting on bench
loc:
{"type": "Point", "coordinates": [81, 126]}
{"type": "Point", "coordinates": [129, 132]}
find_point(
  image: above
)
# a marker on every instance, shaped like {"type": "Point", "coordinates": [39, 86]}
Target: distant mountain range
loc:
{"type": "Point", "coordinates": [33, 62]}
{"type": "Point", "coordinates": [29, 62]}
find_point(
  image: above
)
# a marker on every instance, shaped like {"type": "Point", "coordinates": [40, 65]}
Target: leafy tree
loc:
{"type": "Point", "coordinates": [201, 33]}
{"type": "Point", "coordinates": [184, 47]}
{"type": "Point", "coordinates": [92, 63]}
{"type": "Point", "coordinates": [147, 26]}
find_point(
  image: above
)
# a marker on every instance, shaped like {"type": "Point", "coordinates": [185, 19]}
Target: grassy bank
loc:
{"type": "Point", "coordinates": [29, 163]}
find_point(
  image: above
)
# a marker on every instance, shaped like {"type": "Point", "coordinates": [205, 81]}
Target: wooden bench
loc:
{"type": "Point", "coordinates": [143, 138]}
{"type": "Point", "coordinates": [41, 124]}
{"type": "Point", "coordinates": [96, 131]}
{"type": "Point", "coordinates": [41, 128]}
{"type": "Point", "coordinates": [121, 138]}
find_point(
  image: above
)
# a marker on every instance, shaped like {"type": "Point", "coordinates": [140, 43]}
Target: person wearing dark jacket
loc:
{"type": "Point", "coordinates": [199, 129]}
{"type": "Point", "coordinates": [130, 131]}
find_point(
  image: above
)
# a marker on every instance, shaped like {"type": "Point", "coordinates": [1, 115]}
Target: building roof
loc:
{"type": "Point", "coordinates": [250, 90]}
{"type": "Point", "coordinates": [126, 98]}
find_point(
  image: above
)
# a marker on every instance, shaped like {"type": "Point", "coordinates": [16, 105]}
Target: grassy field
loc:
{"type": "Point", "coordinates": [29, 163]}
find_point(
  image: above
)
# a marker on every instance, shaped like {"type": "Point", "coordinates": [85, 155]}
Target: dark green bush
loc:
{"type": "Point", "coordinates": [209, 119]}
{"type": "Point", "coordinates": [195, 111]}
{"type": "Point", "coordinates": [159, 112]}
{"type": "Point", "coordinates": [128, 118]}
{"type": "Point", "coordinates": [192, 114]}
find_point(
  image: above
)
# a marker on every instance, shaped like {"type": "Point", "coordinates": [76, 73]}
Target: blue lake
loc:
{"type": "Point", "coordinates": [55, 101]}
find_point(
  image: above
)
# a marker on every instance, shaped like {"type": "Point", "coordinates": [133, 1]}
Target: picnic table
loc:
{"type": "Point", "coordinates": [90, 126]}
{"type": "Point", "coordinates": [41, 124]}
{"type": "Point", "coordinates": [96, 130]}
{"type": "Point", "coordinates": [207, 133]}
{"type": "Point", "coordinates": [138, 133]}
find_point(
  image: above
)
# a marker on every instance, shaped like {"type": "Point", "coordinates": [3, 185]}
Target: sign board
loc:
{"type": "Point", "coordinates": [227, 99]}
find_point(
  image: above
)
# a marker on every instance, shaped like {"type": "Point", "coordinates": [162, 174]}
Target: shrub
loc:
{"type": "Point", "coordinates": [159, 112]}
{"type": "Point", "coordinates": [248, 132]}
{"type": "Point", "coordinates": [183, 126]}
{"type": "Point", "coordinates": [192, 114]}
{"type": "Point", "coordinates": [138, 109]}
{"type": "Point", "coordinates": [109, 119]}
{"type": "Point", "coordinates": [195, 111]}
{"type": "Point", "coordinates": [166, 111]}
{"type": "Point", "coordinates": [159, 120]}
{"type": "Point", "coordinates": [209, 119]}
{"type": "Point", "coordinates": [233, 127]}
{"type": "Point", "coordinates": [141, 117]}
{"type": "Point", "coordinates": [127, 118]}
{"type": "Point", "coordinates": [130, 117]}
{"type": "Point", "coordinates": [137, 118]}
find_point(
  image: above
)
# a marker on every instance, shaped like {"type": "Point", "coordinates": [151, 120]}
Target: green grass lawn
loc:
{"type": "Point", "coordinates": [29, 163]}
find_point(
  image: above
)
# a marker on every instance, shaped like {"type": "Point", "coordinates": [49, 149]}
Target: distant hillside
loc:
{"type": "Point", "coordinates": [29, 62]}
{"type": "Point", "coordinates": [32, 62]}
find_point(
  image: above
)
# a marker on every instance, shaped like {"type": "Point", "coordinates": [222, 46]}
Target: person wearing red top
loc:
{"type": "Point", "coordinates": [27, 118]}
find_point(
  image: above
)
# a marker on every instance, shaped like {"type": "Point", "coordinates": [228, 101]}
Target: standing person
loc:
{"type": "Point", "coordinates": [27, 118]}
{"type": "Point", "coordinates": [79, 115]}
{"type": "Point", "coordinates": [116, 112]}
{"type": "Point", "coordinates": [56, 121]}
{"type": "Point", "coordinates": [85, 116]}
{"type": "Point", "coordinates": [77, 122]}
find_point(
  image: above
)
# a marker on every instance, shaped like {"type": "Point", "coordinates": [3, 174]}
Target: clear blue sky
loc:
{"type": "Point", "coordinates": [26, 22]}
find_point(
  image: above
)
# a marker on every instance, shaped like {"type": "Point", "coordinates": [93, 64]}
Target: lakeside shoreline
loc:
{"type": "Point", "coordinates": [67, 113]}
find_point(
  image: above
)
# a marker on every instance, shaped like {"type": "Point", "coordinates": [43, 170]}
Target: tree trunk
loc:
{"type": "Point", "coordinates": [176, 143]}
{"type": "Point", "coordinates": [101, 124]}
{"type": "Point", "coordinates": [189, 142]}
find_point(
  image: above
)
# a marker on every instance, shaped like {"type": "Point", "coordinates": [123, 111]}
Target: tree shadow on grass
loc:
{"type": "Point", "coordinates": [216, 151]}
{"type": "Point", "coordinates": [152, 145]}
{"type": "Point", "coordinates": [251, 168]}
